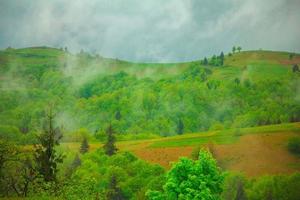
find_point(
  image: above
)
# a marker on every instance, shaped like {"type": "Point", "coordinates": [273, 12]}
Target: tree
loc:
{"type": "Point", "coordinates": [234, 187]}
{"type": "Point", "coordinates": [180, 127]}
{"type": "Point", "coordinates": [74, 165]}
{"type": "Point", "coordinates": [221, 58]}
{"type": "Point", "coordinates": [109, 147]}
{"type": "Point", "coordinates": [118, 115]}
{"type": "Point", "coordinates": [46, 156]}
{"type": "Point", "coordinates": [205, 61]}
{"type": "Point", "coordinates": [188, 179]}
{"type": "Point", "coordinates": [291, 56]}
{"type": "Point", "coordinates": [233, 49]}
{"type": "Point", "coordinates": [296, 68]}
{"type": "Point", "coordinates": [84, 148]}
{"type": "Point", "coordinates": [114, 191]}
{"type": "Point", "coordinates": [239, 48]}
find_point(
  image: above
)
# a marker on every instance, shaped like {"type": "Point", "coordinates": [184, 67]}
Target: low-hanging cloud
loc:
{"type": "Point", "coordinates": [151, 30]}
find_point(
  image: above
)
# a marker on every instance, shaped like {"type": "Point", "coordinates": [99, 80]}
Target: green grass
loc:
{"type": "Point", "coordinates": [223, 137]}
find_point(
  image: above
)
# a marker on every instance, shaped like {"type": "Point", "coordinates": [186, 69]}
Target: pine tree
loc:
{"type": "Point", "coordinates": [118, 115]}
{"type": "Point", "coordinates": [180, 127]}
{"type": "Point", "coordinates": [114, 191]}
{"type": "Point", "coordinates": [205, 61]}
{"type": "Point", "coordinates": [296, 68]}
{"type": "Point", "coordinates": [239, 48]}
{"type": "Point", "coordinates": [109, 147]}
{"type": "Point", "coordinates": [76, 163]}
{"type": "Point", "coordinates": [46, 157]}
{"type": "Point", "coordinates": [222, 58]}
{"type": "Point", "coordinates": [233, 49]}
{"type": "Point", "coordinates": [84, 148]}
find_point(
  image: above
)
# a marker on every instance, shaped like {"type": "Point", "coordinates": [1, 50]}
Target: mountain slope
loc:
{"type": "Point", "coordinates": [251, 88]}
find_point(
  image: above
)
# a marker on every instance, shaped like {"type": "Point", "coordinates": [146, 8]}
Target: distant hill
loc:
{"type": "Point", "coordinates": [249, 88]}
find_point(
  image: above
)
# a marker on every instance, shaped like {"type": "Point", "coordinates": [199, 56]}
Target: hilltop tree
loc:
{"type": "Point", "coordinates": [180, 127]}
{"type": "Point", "coordinates": [239, 48]}
{"type": "Point", "coordinates": [221, 58]}
{"type": "Point", "coordinates": [46, 156]}
{"type": "Point", "coordinates": [233, 49]}
{"type": "Point", "coordinates": [84, 148]}
{"type": "Point", "coordinates": [205, 61]}
{"type": "Point", "coordinates": [109, 147]}
{"type": "Point", "coordinates": [291, 56]}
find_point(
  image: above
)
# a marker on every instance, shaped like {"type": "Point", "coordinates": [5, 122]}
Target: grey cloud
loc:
{"type": "Point", "coordinates": [151, 30]}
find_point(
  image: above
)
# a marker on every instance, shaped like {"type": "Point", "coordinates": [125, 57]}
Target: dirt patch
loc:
{"type": "Point", "coordinates": [258, 155]}
{"type": "Point", "coordinates": [295, 60]}
{"type": "Point", "coordinates": [163, 156]}
{"type": "Point", "coordinates": [254, 155]}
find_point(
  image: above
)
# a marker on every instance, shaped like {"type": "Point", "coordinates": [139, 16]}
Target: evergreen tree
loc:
{"type": "Point", "coordinates": [109, 147]}
{"type": "Point", "coordinates": [118, 115]}
{"type": "Point", "coordinates": [114, 191]}
{"type": "Point", "coordinates": [239, 48]}
{"type": "Point", "coordinates": [84, 148]}
{"type": "Point", "coordinates": [76, 163]}
{"type": "Point", "coordinates": [222, 58]}
{"type": "Point", "coordinates": [233, 49]}
{"type": "Point", "coordinates": [180, 127]}
{"type": "Point", "coordinates": [296, 68]}
{"type": "Point", "coordinates": [205, 61]}
{"type": "Point", "coordinates": [45, 155]}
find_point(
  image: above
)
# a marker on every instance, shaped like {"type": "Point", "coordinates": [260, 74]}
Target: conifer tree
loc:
{"type": "Point", "coordinates": [118, 115]}
{"type": "Point", "coordinates": [109, 147]}
{"type": "Point", "coordinates": [180, 127]}
{"type": "Point", "coordinates": [222, 58]}
{"type": "Point", "coordinates": [46, 156]}
{"type": "Point", "coordinates": [205, 61]}
{"type": "Point", "coordinates": [114, 191]}
{"type": "Point", "coordinates": [84, 148]}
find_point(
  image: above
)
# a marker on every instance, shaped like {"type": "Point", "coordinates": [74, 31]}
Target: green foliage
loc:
{"type": "Point", "coordinates": [275, 187]}
{"type": "Point", "coordinates": [294, 145]}
{"type": "Point", "coordinates": [142, 98]}
{"type": "Point", "coordinates": [234, 187]}
{"type": "Point", "coordinates": [180, 127]}
{"type": "Point", "coordinates": [84, 147]}
{"type": "Point", "coordinates": [119, 175]}
{"type": "Point", "coordinates": [46, 156]}
{"type": "Point", "coordinates": [110, 147]}
{"type": "Point", "coordinates": [188, 179]}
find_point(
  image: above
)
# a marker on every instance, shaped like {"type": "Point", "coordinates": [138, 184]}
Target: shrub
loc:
{"type": "Point", "coordinates": [294, 145]}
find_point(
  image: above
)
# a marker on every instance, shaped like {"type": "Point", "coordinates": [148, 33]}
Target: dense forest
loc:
{"type": "Point", "coordinates": [239, 89]}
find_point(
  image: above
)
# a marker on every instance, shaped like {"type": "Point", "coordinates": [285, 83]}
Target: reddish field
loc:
{"type": "Point", "coordinates": [254, 154]}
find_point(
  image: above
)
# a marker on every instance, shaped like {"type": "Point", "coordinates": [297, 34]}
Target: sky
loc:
{"type": "Point", "coordinates": [151, 30]}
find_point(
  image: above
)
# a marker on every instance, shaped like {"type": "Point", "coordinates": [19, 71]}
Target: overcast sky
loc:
{"type": "Point", "coordinates": [151, 30]}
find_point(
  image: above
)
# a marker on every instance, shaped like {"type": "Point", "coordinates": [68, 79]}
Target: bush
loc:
{"type": "Point", "coordinates": [294, 145]}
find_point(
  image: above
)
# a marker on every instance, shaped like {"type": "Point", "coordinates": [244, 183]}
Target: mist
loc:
{"type": "Point", "coordinates": [151, 30]}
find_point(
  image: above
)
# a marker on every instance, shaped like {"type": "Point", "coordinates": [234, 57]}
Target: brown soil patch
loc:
{"type": "Point", "coordinates": [257, 155]}
{"type": "Point", "coordinates": [254, 155]}
{"type": "Point", "coordinates": [163, 156]}
{"type": "Point", "coordinates": [295, 60]}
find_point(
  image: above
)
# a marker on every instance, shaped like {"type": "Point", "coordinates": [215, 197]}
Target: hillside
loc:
{"type": "Point", "coordinates": [235, 118]}
{"type": "Point", "coordinates": [251, 88]}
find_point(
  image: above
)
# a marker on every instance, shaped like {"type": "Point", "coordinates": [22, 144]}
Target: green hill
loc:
{"type": "Point", "coordinates": [250, 88]}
